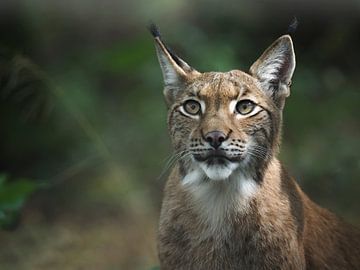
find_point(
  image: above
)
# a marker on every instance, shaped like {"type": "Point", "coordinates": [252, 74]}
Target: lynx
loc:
{"type": "Point", "coordinates": [228, 202]}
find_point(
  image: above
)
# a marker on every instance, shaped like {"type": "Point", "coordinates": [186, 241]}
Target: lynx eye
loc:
{"type": "Point", "coordinates": [192, 107]}
{"type": "Point", "coordinates": [245, 106]}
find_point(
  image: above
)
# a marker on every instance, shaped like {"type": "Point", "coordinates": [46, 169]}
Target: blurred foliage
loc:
{"type": "Point", "coordinates": [12, 198]}
{"type": "Point", "coordinates": [81, 106]}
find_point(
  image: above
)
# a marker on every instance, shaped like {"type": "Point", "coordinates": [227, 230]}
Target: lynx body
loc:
{"type": "Point", "coordinates": [228, 202]}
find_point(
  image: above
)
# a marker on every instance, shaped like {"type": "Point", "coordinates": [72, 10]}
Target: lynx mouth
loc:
{"type": "Point", "coordinates": [216, 164]}
{"type": "Point", "coordinates": [212, 159]}
{"type": "Point", "coordinates": [215, 157]}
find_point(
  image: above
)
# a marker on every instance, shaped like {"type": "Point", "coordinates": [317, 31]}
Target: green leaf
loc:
{"type": "Point", "coordinates": [13, 194]}
{"type": "Point", "coordinates": [12, 197]}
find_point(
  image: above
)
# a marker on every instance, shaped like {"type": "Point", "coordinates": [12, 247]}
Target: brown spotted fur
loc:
{"type": "Point", "coordinates": [277, 228]}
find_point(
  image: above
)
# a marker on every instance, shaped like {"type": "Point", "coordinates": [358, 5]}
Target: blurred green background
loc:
{"type": "Point", "coordinates": [83, 136]}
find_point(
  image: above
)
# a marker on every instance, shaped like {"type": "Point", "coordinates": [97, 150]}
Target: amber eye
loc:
{"type": "Point", "coordinates": [245, 106]}
{"type": "Point", "coordinates": [192, 107]}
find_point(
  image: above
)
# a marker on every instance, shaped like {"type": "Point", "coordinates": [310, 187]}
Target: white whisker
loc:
{"type": "Point", "coordinates": [172, 160]}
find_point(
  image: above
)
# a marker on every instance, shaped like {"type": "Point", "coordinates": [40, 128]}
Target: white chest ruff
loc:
{"type": "Point", "coordinates": [217, 201]}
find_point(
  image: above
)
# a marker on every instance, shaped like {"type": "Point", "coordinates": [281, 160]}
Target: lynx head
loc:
{"type": "Point", "coordinates": [222, 123]}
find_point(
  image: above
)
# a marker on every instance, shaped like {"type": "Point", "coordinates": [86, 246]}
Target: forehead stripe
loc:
{"type": "Point", "coordinates": [218, 98]}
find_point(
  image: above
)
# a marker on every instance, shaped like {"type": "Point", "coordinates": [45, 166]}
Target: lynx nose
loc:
{"type": "Point", "coordinates": [215, 138]}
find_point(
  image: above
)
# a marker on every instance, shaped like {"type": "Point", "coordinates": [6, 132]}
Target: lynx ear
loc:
{"type": "Point", "coordinates": [275, 68]}
{"type": "Point", "coordinates": [175, 70]}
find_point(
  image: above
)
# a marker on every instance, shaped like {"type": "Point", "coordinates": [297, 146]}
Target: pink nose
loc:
{"type": "Point", "coordinates": [215, 138]}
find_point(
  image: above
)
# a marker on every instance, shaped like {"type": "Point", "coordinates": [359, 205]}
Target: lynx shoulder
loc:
{"type": "Point", "coordinates": [228, 202]}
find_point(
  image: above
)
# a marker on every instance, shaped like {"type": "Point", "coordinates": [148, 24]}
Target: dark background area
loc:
{"type": "Point", "coordinates": [83, 136]}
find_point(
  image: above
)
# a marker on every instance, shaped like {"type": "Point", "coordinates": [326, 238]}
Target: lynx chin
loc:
{"type": "Point", "coordinates": [228, 202]}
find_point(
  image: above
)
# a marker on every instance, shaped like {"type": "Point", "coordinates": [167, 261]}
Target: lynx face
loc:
{"type": "Point", "coordinates": [222, 124]}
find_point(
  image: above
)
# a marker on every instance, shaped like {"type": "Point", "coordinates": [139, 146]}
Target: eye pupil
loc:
{"type": "Point", "coordinates": [192, 107]}
{"type": "Point", "coordinates": [245, 107]}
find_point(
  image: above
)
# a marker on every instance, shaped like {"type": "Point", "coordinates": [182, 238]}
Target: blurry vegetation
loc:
{"type": "Point", "coordinates": [81, 108]}
{"type": "Point", "coordinates": [12, 197]}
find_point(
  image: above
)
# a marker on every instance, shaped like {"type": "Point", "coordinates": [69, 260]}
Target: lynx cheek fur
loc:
{"type": "Point", "coordinates": [228, 203]}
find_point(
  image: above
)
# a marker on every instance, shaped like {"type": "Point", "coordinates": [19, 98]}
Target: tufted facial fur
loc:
{"type": "Point", "coordinates": [244, 109]}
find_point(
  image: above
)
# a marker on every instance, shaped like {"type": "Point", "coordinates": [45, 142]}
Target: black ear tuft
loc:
{"type": "Point", "coordinates": [154, 30]}
{"type": "Point", "coordinates": [293, 26]}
